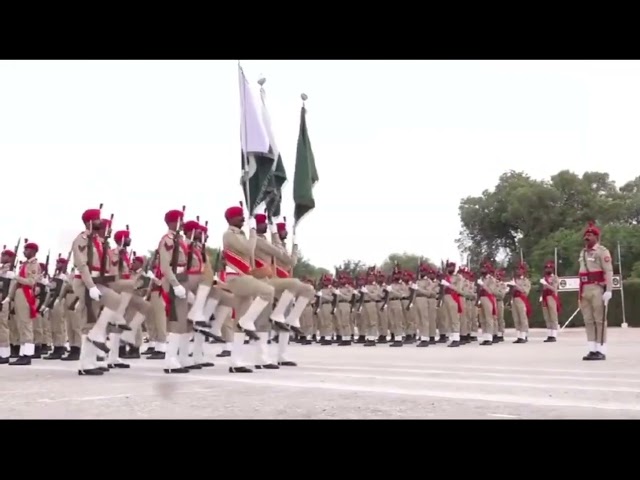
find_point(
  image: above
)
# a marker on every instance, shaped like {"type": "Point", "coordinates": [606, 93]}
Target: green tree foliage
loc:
{"type": "Point", "coordinates": [536, 216]}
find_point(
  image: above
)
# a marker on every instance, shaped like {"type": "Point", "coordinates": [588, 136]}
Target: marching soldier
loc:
{"type": "Point", "coordinates": [24, 301]}
{"type": "Point", "coordinates": [243, 280]}
{"type": "Point", "coordinates": [7, 259]}
{"type": "Point", "coordinates": [501, 292]}
{"type": "Point", "coordinates": [343, 310]}
{"type": "Point", "coordinates": [452, 303]}
{"type": "Point", "coordinates": [410, 314]}
{"type": "Point", "coordinates": [159, 304]}
{"type": "Point", "coordinates": [466, 287]}
{"type": "Point", "coordinates": [550, 301]}
{"type": "Point", "coordinates": [358, 315]}
{"type": "Point", "coordinates": [92, 293]}
{"type": "Point", "coordinates": [596, 287]}
{"type": "Point", "coordinates": [397, 292]}
{"type": "Point", "coordinates": [470, 310]}
{"type": "Point", "coordinates": [441, 315]}
{"type": "Point", "coordinates": [371, 294]}
{"type": "Point", "coordinates": [382, 306]}
{"type": "Point", "coordinates": [138, 309]}
{"type": "Point", "coordinates": [520, 305]}
{"type": "Point", "coordinates": [486, 293]}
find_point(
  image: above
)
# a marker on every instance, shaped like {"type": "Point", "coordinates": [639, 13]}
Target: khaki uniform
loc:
{"type": "Point", "coordinates": [465, 319]}
{"type": "Point", "coordinates": [395, 310]}
{"type": "Point", "coordinates": [307, 321]}
{"type": "Point", "coordinates": [550, 304]}
{"type": "Point", "coordinates": [383, 315]}
{"type": "Point", "coordinates": [324, 312]}
{"type": "Point", "coordinates": [471, 311]}
{"type": "Point", "coordinates": [370, 311]}
{"type": "Point", "coordinates": [501, 292]}
{"type": "Point", "coordinates": [451, 307]}
{"type": "Point", "coordinates": [487, 293]}
{"type": "Point", "coordinates": [24, 301]}
{"type": "Point", "coordinates": [343, 312]}
{"type": "Point", "coordinates": [519, 306]}
{"type": "Point", "coordinates": [411, 315]}
{"type": "Point", "coordinates": [179, 325]}
{"type": "Point", "coordinates": [596, 277]}
{"type": "Point", "coordinates": [425, 306]}
{"type": "Point", "coordinates": [4, 317]}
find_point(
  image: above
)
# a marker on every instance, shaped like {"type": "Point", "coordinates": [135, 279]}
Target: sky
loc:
{"type": "Point", "coordinates": [397, 144]}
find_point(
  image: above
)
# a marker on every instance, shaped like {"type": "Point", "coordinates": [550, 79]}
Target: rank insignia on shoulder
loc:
{"type": "Point", "coordinates": [82, 247]}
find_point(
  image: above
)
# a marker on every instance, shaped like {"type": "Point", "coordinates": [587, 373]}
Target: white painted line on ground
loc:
{"type": "Point", "coordinates": [473, 374]}
{"type": "Point", "coordinates": [545, 386]}
{"type": "Point", "coordinates": [502, 415]}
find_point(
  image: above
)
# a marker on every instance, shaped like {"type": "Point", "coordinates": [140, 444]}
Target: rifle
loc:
{"type": "Point", "coordinates": [121, 253]}
{"type": "Point", "coordinates": [42, 290]}
{"type": "Point", "coordinates": [55, 292]}
{"type": "Point", "coordinates": [334, 300]}
{"type": "Point", "coordinates": [175, 256]}
{"type": "Point", "coordinates": [6, 283]}
{"type": "Point", "coordinates": [318, 301]}
{"type": "Point", "coordinates": [361, 299]}
{"type": "Point", "coordinates": [146, 281]}
{"type": "Point", "coordinates": [412, 295]}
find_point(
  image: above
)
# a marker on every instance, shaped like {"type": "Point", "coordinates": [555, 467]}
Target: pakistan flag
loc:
{"type": "Point", "coordinates": [305, 175]}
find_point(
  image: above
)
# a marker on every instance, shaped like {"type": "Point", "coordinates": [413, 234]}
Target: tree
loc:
{"type": "Point", "coordinates": [406, 261]}
{"type": "Point", "coordinates": [304, 268]}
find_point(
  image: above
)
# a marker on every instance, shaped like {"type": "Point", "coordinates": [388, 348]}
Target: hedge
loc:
{"type": "Point", "coordinates": [569, 302]}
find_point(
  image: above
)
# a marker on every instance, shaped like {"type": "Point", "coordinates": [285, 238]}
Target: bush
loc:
{"type": "Point", "coordinates": [569, 303]}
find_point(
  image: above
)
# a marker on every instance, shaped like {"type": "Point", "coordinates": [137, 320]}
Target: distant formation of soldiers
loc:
{"type": "Point", "coordinates": [93, 308]}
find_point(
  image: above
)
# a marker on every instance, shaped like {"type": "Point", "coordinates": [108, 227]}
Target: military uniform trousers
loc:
{"type": "Point", "coordinates": [592, 309]}
{"type": "Point", "coordinates": [72, 321]}
{"type": "Point", "coordinates": [421, 306]}
{"type": "Point", "coordinates": [550, 313]}
{"type": "Point", "coordinates": [500, 320]}
{"type": "Point", "coordinates": [452, 316]}
{"type": "Point", "coordinates": [23, 319]}
{"type": "Point", "coordinates": [4, 326]}
{"type": "Point", "coordinates": [411, 317]}
{"type": "Point", "coordinates": [158, 316]}
{"type": "Point", "coordinates": [343, 312]}
{"type": "Point", "coordinates": [441, 320]}
{"type": "Point", "coordinates": [109, 299]}
{"type": "Point", "coordinates": [326, 320]}
{"type": "Point", "coordinates": [369, 317]}
{"type": "Point", "coordinates": [245, 289]}
{"type": "Point", "coordinates": [58, 326]}
{"type": "Point", "coordinates": [519, 312]}
{"type": "Point", "coordinates": [471, 313]}
{"type": "Point", "coordinates": [486, 316]}
{"type": "Point", "coordinates": [181, 324]}
{"type": "Point", "coordinates": [396, 317]}
{"type": "Point", "coordinates": [307, 323]}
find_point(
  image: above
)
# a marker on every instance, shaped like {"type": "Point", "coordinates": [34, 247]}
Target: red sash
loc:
{"type": "Point", "coordinates": [27, 290]}
{"type": "Point", "coordinates": [492, 299]}
{"type": "Point", "coordinates": [198, 254]}
{"type": "Point", "coordinates": [454, 295]}
{"type": "Point", "coordinates": [236, 262]}
{"type": "Point", "coordinates": [525, 299]}
{"type": "Point", "coordinates": [590, 278]}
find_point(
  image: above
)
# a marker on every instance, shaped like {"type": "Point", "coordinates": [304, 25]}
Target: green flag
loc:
{"type": "Point", "coordinates": [306, 175]}
{"type": "Point", "coordinates": [274, 191]}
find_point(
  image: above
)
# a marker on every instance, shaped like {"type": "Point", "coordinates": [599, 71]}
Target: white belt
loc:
{"type": "Point", "coordinates": [181, 269]}
{"type": "Point", "coordinates": [95, 274]}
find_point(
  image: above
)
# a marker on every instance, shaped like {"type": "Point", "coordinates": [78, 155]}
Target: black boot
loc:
{"type": "Point", "coordinates": [21, 360]}
{"type": "Point", "coordinates": [56, 354]}
{"type": "Point", "coordinates": [37, 351]}
{"type": "Point", "coordinates": [134, 352]}
{"type": "Point", "coordinates": [442, 339]}
{"type": "Point", "coordinates": [15, 351]}
{"type": "Point", "coordinates": [73, 355]}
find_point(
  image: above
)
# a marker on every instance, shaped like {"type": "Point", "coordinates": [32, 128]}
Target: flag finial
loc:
{"type": "Point", "coordinates": [304, 97]}
{"type": "Point", "coordinates": [262, 81]}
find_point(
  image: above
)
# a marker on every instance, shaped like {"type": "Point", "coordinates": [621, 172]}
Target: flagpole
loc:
{"type": "Point", "coordinates": [304, 98]}
{"type": "Point", "coordinates": [243, 138]}
{"type": "Point", "coordinates": [624, 316]}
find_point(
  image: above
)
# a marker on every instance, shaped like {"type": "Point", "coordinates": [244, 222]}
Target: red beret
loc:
{"type": "Point", "coordinates": [591, 228]}
{"type": "Point", "coordinates": [233, 212]}
{"type": "Point", "coordinates": [9, 253]}
{"type": "Point", "coordinates": [91, 214]}
{"type": "Point", "coordinates": [173, 216]}
{"type": "Point", "coordinates": [203, 228]}
{"type": "Point", "coordinates": [451, 264]}
{"type": "Point", "coordinates": [550, 264]}
{"type": "Point", "coordinates": [282, 227]}
{"type": "Point", "coordinates": [522, 266]}
{"type": "Point", "coordinates": [260, 218]}
{"type": "Point", "coordinates": [31, 246]}
{"type": "Point", "coordinates": [121, 235]}
{"type": "Point", "coordinates": [105, 223]}
{"type": "Point", "coordinates": [138, 259]}
{"type": "Point", "coordinates": [61, 260]}
{"type": "Point", "coordinates": [190, 226]}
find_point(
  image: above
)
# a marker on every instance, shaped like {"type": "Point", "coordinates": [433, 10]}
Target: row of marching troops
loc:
{"type": "Point", "coordinates": [91, 310]}
{"type": "Point", "coordinates": [430, 307]}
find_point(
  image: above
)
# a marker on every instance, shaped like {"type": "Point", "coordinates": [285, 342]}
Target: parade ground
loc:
{"type": "Point", "coordinates": [504, 381]}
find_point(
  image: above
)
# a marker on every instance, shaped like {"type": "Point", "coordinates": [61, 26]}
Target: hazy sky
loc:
{"type": "Point", "coordinates": [397, 143]}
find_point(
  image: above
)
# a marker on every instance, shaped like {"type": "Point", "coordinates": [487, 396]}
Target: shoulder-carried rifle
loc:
{"type": "Point", "coordinates": [175, 256]}
{"type": "Point", "coordinates": [6, 282]}
{"type": "Point", "coordinates": [41, 289]}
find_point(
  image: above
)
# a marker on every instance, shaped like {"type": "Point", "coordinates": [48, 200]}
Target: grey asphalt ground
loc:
{"type": "Point", "coordinates": [505, 381]}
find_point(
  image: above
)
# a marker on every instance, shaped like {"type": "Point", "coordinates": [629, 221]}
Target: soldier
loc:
{"type": "Point", "coordinates": [243, 280]}
{"type": "Point", "coordinates": [486, 293]}
{"type": "Point", "coordinates": [470, 310]}
{"type": "Point", "coordinates": [7, 259]}
{"type": "Point", "coordinates": [54, 308]}
{"type": "Point", "coordinates": [325, 298]}
{"type": "Point", "coordinates": [343, 310]}
{"type": "Point", "coordinates": [137, 308]}
{"type": "Point", "coordinates": [41, 327]}
{"type": "Point", "coordinates": [452, 302]}
{"type": "Point", "coordinates": [423, 292]}
{"type": "Point", "coordinates": [501, 292]}
{"type": "Point", "coordinates": [159, 303]}
{"type": "Point", "coordinates": [520, 305]}
{"type": "Point", "coordinates": [382, 306]}
{"type": "Point", "coordinates": [89, 286]}
{"type": "Point", "coordinates": [596, 287]}
{"type": "Point", "coordinates": [432, 303]}
{"type": "Point", "coordinates": [550, 301]}
{"type": "Point", "coordinates": [441, 315]}
{"type": "Point", "coordinates": [307, 321]}
{"type": "Point", "coordinates": [24, 302]}
{"type": "Point", "coordinates": [410, 315]}
{"type": "Point", "coordinates": [398, 291]}
{"type": "Point", "coordinates": [358, 316]}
